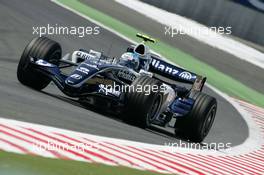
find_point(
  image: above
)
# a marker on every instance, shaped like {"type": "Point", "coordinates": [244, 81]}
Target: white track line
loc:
{"type": "Point", "coordinates": [32, 141]}
{"type": "Point", "coordinates": [89, 152]}
{"type": "Point", "coordinates": [10, 148]}
{"type": "Point", "coordinates": [29, 147]}
{"type": "Point", "coordinates": [113, 154]}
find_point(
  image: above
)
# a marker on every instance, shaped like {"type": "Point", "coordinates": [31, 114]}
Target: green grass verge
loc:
{"type": "Point", "coordinates": [16, 164]}
{"type": "Point", "coordinates": [216, 78]}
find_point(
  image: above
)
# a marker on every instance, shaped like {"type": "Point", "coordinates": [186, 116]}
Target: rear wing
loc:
{"type": "Point", "coordinates": [175, 73]}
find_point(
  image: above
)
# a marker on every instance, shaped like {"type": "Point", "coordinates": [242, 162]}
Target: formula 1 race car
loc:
{"type": "Point", "coordinates": [140, 85]}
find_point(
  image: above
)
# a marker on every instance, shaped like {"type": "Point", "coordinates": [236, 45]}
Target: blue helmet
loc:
{"type": "Point", "coordinates": [130, 60]}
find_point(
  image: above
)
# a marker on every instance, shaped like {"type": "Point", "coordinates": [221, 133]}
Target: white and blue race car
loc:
{"type": "Point", "coordinates": [140, 86]}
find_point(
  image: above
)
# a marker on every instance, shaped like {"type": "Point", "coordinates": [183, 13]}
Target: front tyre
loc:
{"type": "Point", "coordinates": [197, 124]}
{"type": "Point", "coordinates": [43, 48]}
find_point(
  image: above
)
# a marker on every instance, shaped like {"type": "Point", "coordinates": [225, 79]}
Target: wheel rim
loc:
{"type": "Point", "coordinates": [209, 121]}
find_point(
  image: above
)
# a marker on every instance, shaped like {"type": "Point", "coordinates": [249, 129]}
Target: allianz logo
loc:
{"type": "Point", "coordinates": [164, 68]}
{"type": "Point", "coordinates": [185, 75]}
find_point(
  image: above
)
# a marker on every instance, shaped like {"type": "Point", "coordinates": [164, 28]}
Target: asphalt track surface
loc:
{"type": "Point", "coordinates": [52, 108]}
{"type": "Point", "coordinates": [248, 74]}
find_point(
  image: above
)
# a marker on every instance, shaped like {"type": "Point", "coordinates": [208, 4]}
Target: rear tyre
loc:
{"type": "Point", "coordinates": [43, 48]}
{"type": "Point", "coordinates": [197, 124]}
{"type": "Point", "coordinates": [142, 109]}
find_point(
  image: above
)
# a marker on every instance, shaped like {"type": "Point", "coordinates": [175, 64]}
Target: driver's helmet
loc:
{"type": "Point", "coordinates": [130, 60]}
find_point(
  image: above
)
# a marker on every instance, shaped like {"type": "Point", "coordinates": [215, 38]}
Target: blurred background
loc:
{"type": "Point", "coordinates": [246, 17]}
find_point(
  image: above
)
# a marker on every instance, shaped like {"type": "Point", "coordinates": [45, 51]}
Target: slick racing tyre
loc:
{"type": "Point", "coordinates": [142, 109]}
{"type": "Point", "coordinates": [43, 48]}
{"type": "Point", "coordinates": [197, 124]}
